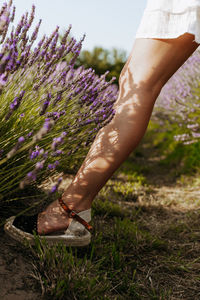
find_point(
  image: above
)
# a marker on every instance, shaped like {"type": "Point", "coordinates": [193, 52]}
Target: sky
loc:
{"type": "Point", "coordinates": [106, 23]}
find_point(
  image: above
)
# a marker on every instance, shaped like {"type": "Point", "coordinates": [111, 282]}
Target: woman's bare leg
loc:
{"type": "Point", "coordinates": [151, 63]}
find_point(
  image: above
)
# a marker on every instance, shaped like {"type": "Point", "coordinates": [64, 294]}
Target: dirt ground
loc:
{"type": "Point", "coordinates": [16, 282]}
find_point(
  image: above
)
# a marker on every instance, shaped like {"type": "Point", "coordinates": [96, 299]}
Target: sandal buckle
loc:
{"type": "Point", "coordinates": [72, 214]}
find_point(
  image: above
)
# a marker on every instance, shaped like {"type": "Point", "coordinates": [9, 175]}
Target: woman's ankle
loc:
{"type": "Point", "coordinates": [77, 205]}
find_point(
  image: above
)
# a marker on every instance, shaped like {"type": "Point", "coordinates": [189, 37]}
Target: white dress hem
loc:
{"type": "Point", "coordinates": [163, 24]}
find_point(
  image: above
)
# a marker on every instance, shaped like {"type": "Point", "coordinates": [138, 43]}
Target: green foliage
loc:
{"type": "Point", "coordinates": [186, 158]}
{"type": "Point", "coordinates": [67, 275]}
{"type": "Point", "coordinates": [90, 273]}
{"type": "Point", "coordinates": [102, 60]}
{"type": "Point", "coordinates": [108, 209]}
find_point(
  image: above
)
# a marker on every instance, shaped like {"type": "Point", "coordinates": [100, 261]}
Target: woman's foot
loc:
{"type": "Point", "coordinates": [58, 223]}
{"type": "Point", "coordinates": [54, 218]}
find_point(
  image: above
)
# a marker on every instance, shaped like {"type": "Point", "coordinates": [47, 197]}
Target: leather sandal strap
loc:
{"type": "Point", "coordinates": [74, 215]}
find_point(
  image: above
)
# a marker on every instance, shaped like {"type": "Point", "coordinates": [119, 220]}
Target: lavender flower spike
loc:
{"type": "Point", "coordinates": [16, 147]}
{"type": "Point", "coordinates": [55, 187]}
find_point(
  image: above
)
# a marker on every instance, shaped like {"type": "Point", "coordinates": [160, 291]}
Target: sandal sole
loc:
{"type": "Point", "coordinates": [24, 237]}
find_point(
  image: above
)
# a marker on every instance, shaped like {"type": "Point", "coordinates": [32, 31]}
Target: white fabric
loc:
{"type": "Point", "coordinates": [77, 229]}
{"type": "Point", "coordinates": [170, 19]}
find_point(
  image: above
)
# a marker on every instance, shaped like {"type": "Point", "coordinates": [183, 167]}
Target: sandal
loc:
{"type": "Point", "coordinates": [21, 228]}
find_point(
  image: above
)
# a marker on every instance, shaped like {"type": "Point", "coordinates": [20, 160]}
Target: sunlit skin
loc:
{"type": "Point", "coordinates": [151, 63]}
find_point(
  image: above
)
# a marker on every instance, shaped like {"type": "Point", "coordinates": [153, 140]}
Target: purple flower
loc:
{"type": "Point", "coordinates": [21, 115]}
{"type": "Point", "coordinates": [3, 79]}
{"type": "Point", "coordinates": [39, 165]}
{"type": "Point", "coordinates": [51, 166]}
{"type": "Point", "coordinates": [31, 175]}
{"type": "Point", "coordinates": [56, 142]}
{"type": "Point", "coordinates": [14, 104]}
{"type": "Point", "coordinates": [34, 154]}
{"type": "Point", "coordinates": [41, 151]}
{"type": "Point", "coordinates": [44, 107]}
{"type": "Point", "coordinates": [57, 153]}
{"type": "Point", "coordinates": [196, 134]}
{"type": "Point", "coordinates": [63, 134]}
{"type": "Point", "coordinates": [88, 121]}
{"type": "Point", "coordinates": [45, 155]}
{"type": "Point", "coordinates": [21, 139]}
{"type": "Point", "coordinates": [30, 133]}
{"type": "Point", "coordinates": [54, 188]}
{"type": "Point", "coordinates": [60, 180]}
{"type": "Point", "coordinates": [48, 124]}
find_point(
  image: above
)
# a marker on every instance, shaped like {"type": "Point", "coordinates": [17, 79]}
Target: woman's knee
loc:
{"type": "Point", "coordinates": [152, 62]}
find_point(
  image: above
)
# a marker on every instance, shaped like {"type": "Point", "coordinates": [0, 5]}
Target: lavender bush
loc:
{"type": "Point", "coordinates": [50, 112]}
{"type": "Point", "coordinates": [179, 102]}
